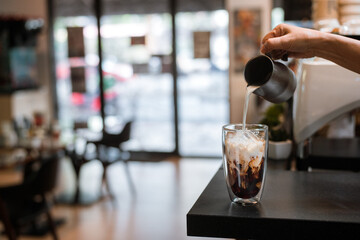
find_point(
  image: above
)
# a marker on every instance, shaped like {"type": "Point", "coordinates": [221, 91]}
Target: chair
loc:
{"type": "Point", "coordinates": [77, 160]}
{"type": "Point", "coordinates": [110, 150]}
{"type": "Point", "coordinates": [79, 155]}
{"type": "Point", "coordinates": [22, 205]}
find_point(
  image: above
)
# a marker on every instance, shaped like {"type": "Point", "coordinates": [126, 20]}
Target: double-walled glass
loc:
{"type": "Point", "coordinates": [244, 157]}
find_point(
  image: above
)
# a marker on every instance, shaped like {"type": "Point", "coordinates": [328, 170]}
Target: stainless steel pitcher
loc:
{"type": "Point", "coordinates": [276, 81]}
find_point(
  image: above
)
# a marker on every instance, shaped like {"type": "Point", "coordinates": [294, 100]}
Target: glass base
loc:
{"type": "Point", "coordinates": [246, 202]}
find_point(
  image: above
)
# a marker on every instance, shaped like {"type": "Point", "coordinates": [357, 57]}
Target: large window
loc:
{"type": "Point", "coordinates": [139, 83]}
{"type": "Point", "coordinates": [77, 106]}
{"type": "Point", "coordinates": [202, 82]}
{"type": "Point", "coordinates": [137, 63]}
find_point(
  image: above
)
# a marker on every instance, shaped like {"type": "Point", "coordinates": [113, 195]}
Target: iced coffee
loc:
{"type": "Point", "coordinates": [245, 154]}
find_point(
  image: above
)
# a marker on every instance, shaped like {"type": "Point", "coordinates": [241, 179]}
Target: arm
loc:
{"type": "Point", "coordinates": [304, 43]}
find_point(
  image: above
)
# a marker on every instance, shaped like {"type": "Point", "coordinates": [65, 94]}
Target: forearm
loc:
{"type": "Point", "coordinates": [341, 50]}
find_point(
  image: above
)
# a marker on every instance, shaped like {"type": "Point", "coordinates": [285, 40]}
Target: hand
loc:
{"type": "Point", "coordinates": [294, 41]}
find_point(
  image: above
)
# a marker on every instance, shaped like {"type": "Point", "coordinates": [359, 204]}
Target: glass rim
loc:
{"type": "Point", "coordinates": [256, 126]}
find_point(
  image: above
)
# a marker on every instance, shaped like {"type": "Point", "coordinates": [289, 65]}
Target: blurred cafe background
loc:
{"type": "Point", "coordinates": [111, 110]}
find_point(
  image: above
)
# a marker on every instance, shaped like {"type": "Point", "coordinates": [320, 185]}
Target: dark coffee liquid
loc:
{"type": "Point", "coordinates": [246, 185]}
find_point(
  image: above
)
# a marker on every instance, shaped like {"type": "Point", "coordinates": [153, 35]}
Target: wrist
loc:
{"type": "Point", "coordinates": [325, 44]}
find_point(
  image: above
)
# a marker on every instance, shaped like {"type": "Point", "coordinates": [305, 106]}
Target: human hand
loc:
{"type": "Point", "coordinates": [294, 41]}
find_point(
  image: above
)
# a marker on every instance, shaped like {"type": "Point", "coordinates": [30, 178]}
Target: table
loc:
{"type": "Point", "coordinates": [21, 153]}
{"type": "Point", "coordinates": [10, 177]}
{"type": "Point", "coordinates": [294, 205]}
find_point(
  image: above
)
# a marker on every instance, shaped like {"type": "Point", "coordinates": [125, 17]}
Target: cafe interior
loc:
{"type": "Point", "coordinates": [129, 154]}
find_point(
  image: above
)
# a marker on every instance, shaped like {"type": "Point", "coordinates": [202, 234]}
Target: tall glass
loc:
{"type": "Point", "coordinates": [244, 158]}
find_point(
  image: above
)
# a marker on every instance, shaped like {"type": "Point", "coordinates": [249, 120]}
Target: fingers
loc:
{"type": "Point", "coordinates": [278, 31]}
{"type": "Point", "coordinates": [265, 49]}
{"type": "Point", "coordinates": [269, 35]}
{"type": "Point", "coordinates": [273, 40]}
{"type": "Point", "coordinates": [272, 44]}
{"type": "Point", "coordinates": [288, 40]}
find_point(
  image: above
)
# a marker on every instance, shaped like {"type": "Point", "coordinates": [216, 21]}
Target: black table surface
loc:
{"type": "Point", "coordinates": [294, 205]}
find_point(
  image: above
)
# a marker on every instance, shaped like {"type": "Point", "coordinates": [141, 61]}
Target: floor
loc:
{"type": "Point", "coordinates": [165, 192]}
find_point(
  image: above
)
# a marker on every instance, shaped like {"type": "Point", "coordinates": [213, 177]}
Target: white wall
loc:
{"type": "Point", "coordinates": [237, 84]}
{"type": "Point", "coordinates": [26, 102]}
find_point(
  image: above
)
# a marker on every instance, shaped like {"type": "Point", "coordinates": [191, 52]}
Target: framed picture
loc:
{"type": "Point", "coordinates": [247, 36]}
{"type": "Point", "coordinates": [249, 22]}
{"type": "Point", "coordinates": [78, 82]}
{"type": "Point", "coordinates": [23, 65]}
{"type": "Point", "coordinates": [201, 44]}
{"type": "Point", "coordinates": [139, 40]}
{"type": "Point", "coordinates": [76, 44]}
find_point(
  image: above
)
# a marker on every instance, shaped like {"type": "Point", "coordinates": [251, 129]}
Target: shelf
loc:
{"type": "Point", "coordinates": [8, 90]}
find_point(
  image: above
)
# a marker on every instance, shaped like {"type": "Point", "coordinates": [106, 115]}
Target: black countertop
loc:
{"type": "Point", "coordinates": [294, 205]}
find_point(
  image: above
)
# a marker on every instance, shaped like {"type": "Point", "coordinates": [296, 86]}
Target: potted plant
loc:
{"type": "Point", "coordinates": [280, 145]}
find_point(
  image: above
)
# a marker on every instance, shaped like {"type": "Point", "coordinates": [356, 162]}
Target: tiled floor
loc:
{"type": "Point", "coordinates": [165, 192]}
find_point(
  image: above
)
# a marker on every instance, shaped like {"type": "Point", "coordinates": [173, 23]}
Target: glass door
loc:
{"type": "Point", "coordinates": [138, 80]}
{"type": "Point", "coordinates": [137, 49]}
{"type": "Point", "coordinates": [203, 95]}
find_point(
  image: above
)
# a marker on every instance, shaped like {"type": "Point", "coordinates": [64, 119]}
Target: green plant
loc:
{"type": "Point", "coordinates": [274, 118]}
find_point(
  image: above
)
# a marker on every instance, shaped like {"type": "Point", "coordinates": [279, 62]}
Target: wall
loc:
{"type": "Point", "coordinates": [5, 108]}
{"type": "Point", "coordinates": [26, 102]}
{"type": "Point", "coordinates": [237, 84]}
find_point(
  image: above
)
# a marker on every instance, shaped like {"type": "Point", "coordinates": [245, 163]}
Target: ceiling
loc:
{"type": "Point", "coordinates": [112, 7]}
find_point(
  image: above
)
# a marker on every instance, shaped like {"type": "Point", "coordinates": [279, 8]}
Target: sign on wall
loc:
{"type": "Point", "coordinates": [201, 44]}
{"type": "Point", "coordinates": [76, 46]}
{"type": "Point", "coordinates": [140, 40]}
{"type": "Point", "coordinates": [78, 79]}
